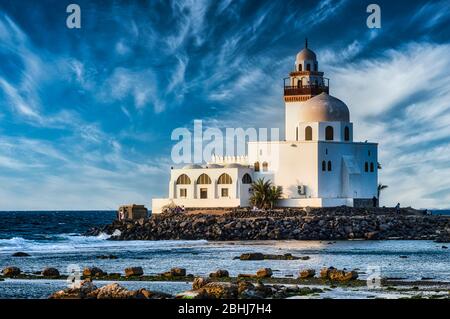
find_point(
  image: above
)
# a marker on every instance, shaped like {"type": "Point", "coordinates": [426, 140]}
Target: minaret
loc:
{"type": "Point", "coordinates": [305, 82]}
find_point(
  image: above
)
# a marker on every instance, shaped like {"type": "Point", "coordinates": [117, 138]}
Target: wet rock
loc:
{"type": "Point", "coordinates": [79, 292]}
{"type": "Point", "coordinates": [133, 271]}
{"type": "Point", "coordinates": [50, 272]}
{"type": "Point", "coordinates": [307, 273]}
{"type": "Point", "coordinates": [252, 256]}
{"type": "Point", "coordinates": [220, 290]}
{"type": "Point", "coordinates": [334, 274]}
{"type": "Point", "coordinates": [11, 271]}
{"type": "Point", "coordinates": [264, 273]}
{"type": "Point", "coordinates": [107, 257]}
{"type": "Point", "coordinates": [178, 272]}
{"type": "Point", "coordinates": [200, 282]}
{"type": "Point", "coordinates": [220, 273]}
{"type": "Point", "coordinates": [93, 272]}
{"type": "Point", "coordinates": [245, 285]}
{"type": "Point", "coordinates": [20, 254]}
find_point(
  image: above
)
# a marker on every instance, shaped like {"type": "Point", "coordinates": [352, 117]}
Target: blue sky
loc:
{"type": "Point", "coordinates": [86, 114]}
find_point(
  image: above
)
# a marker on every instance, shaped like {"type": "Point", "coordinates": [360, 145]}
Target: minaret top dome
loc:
{"type": "Point", "coordinates": [306, 54]}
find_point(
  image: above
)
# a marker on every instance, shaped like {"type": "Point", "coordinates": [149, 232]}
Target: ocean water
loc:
{"type": "Point", "coordinates": [53, 239]}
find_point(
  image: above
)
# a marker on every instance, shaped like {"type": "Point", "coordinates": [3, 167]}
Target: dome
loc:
{"type": "Point", "coordinates": [192, 166]}
{"type": "Point", "coordinates": [324, 108]}
{"type": "Point", "coordinates": [306, 54]}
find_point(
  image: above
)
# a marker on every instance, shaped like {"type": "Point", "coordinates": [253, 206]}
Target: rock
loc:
{"type": "Point", "coordinates": [404, 257]}
{"type": "Point", "coordinates": [264, 273]}
{"type": "Point", "coordinates": [93, 272]}
{"type": "Point", "coordinates": [252, 256]}
{"type": "Point", "coordinates": [334, 274]}
{"type": "Point", "coordinates": [305, 258]}
{"type": "Point", "coordinates": [190, 294]}
{"type": "Point", "coordinates": [50, 272]}
{"type": "Point", "coordinates": [112, 291]}
{"type": "Point", "coordinates": [80, 292]}
{"type": "Point", "coordinates": [178, 272]}
{"type": "Point", "coordinates": [246, 276]}
{"type": "Point", "coordinates": [21, 254]}
{"type": "Point", "coordinates": [220, 273]}
{"type": "Point", "coordinates": [245, 285]}
{"type": "Point", "coordinates": [107, 257]}
{"type": "Point", "coordinates": [11, 271]}
{"type": "Point", "coordinates": [133, 271]}
{"type": "Point", "coordinates": [220, 290]}
{"type": "Point", "coordinates": [444, 247]}
{"type": "Point", "coordinates": [324, 272]}
{"type": "Point", "coordinates": [307, 273]}
{"type": "Point", "coordinates": [199, 282]}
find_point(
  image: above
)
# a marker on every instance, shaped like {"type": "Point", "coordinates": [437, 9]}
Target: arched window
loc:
{"type": "Point", "coordinates": [247, 179]}
{"type": "Point", "coordinates": [366, 167]}
{"type": "Point", "coordinates": [203, 179]}
{"type": "Point", "coordinates": [308, 67]}
{"type": "Point", "coordinates": [225, 179]}
{"type": "Point", "coordinates": [347, 134]}
{"type": "Point", "coordinates": [316, 67]}
{"type": "Point", "coordinates": [329, 133]}
{"type": "Point", "coordinates": [308, 133]}
{"type": "Point", "coordinates": [324, 166]}
{"type": "Point", "coordinates": [183, 179]}
{"type": "Point", "coordinates": [265, 167]}
{"type": "Point", "coordinates": [329, 166]}
{"type": "Point", "coordinates": [372, 169]}
{"type": "Point", "coordinates": [257, 167]}
{"type": "Point", "coordinates": [300, 67]}
{"type": "Point", "coordinates": [296, 133]}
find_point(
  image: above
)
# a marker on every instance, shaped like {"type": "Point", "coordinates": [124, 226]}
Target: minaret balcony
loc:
{"type": "Point", "coordinates": [311, 90]}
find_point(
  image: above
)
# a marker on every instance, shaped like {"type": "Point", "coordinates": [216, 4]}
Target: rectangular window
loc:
{"type": "Point", "coordinates": [183, 192]}
{"type": "Point", "coordinates": [203, 193]}
{"type": "Point", "coordinates": [224, 192]}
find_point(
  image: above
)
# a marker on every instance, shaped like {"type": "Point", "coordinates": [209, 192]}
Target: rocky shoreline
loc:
{"type": "Point", "coordinates": [338, 223]}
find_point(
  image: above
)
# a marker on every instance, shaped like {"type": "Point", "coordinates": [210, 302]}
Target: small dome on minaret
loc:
{"type": "Point", "coordinates": [306, 54]}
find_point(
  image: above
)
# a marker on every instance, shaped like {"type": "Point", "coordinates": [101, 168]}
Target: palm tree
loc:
{"type": "Point", "coordinates": [264, 194]}
{"type": "Point", "coordinates": [379, 189]}
{"type": "Point", "coordinates": [275, 194]}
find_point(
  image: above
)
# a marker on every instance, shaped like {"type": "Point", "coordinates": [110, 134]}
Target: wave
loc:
{"type": "Point", "coordinates": [75, 242]}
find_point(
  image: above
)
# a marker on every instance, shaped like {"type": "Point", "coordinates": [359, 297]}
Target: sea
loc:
{"type": "Point", "coordinates": [54, 239]}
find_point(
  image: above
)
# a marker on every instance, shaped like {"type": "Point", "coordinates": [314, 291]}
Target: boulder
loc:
{"type": "Point", "coordinates": [178, 272]}
{"type": "Point", "coordinates": [338, 275]}
{"type": "Point", "coordinates": [307, 273]}
{"type": "Point", "coordinates": [220, 290]}
{"type": "Point", "coordinates": [264, 273]}
{"type": "Point", "coordinates": [112, 291]}
{"type": "Point", "coordinates": [252, 256]}
{"type": "Point", "coordinates": [244, 286]}
{"type": "Point", "coordinates": [50, 272]}
{"type": "Point", "coordinates": [133, 271]}
{"type": "Point", "coordinates": [199, 282]}
{"type": "Point", "coordinates": [324, 272]}
{"type": "Point", "coordinates": [80, 292]}
{"type": "Point", "coordinates": [21, 254]}
{"type": "Point", "coordinates": [107, 257]}
{"type": "Point", "coordinates": [93, 272]}
{"type": "Point", "coordinates": [11, 271]}
{"type": "Point", "coordinates": [220, 273]}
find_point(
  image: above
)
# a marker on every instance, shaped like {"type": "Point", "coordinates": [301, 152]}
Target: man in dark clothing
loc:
{"type": "Point", "coordinates": [375, 201]}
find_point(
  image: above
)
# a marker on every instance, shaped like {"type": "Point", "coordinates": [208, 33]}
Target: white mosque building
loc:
{"type": "Point", "coordinates": [317, 165]}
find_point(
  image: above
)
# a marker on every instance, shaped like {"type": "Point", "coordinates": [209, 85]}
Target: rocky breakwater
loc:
{"type": "Point", "coordinates": [336, 223]}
